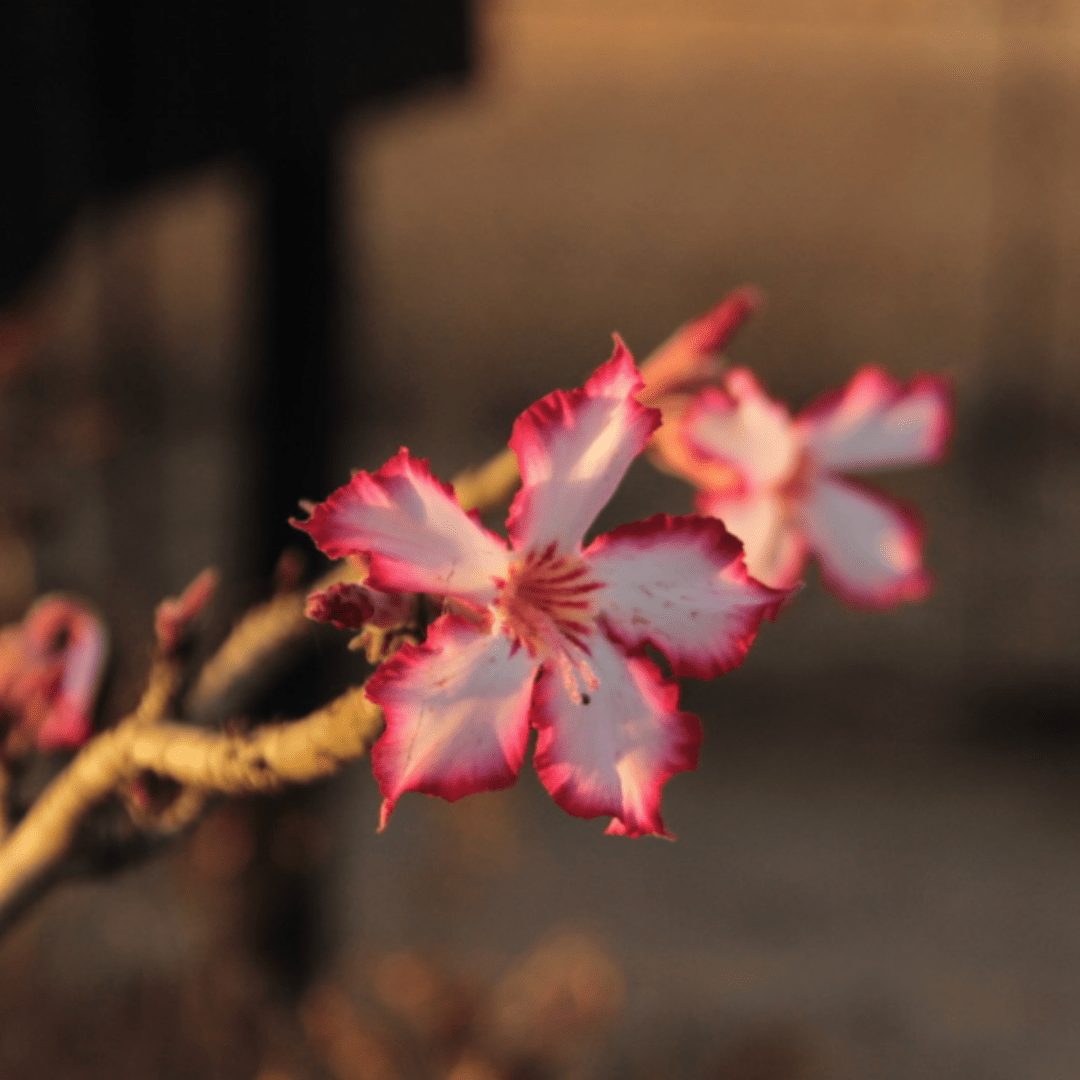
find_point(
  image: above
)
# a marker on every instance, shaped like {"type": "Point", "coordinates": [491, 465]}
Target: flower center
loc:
{"type": "Point", "coordinates": [546, 606]}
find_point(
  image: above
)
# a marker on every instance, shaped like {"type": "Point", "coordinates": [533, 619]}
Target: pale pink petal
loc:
{"type": "Point", "coordinates": [611, 753]}
{"type": "Point", "coordinates": [869, 547]}
{"type": "Point", "coordinates": [680, 584]}
{"type": "Point", "coordinates": [457, 713]}
{"type": "Point", "coordinates": [687, 360]}
{"type": "Point", "coordinates": [743, 427]}
{"type": "Point", "coordinates": [573, 448]}
{"type": "Point", "coordinates": [876, 421]}
{"type": "Point", "coordinates": [773, 546]}
{"type": "Point", "coordinates": [417, 536]}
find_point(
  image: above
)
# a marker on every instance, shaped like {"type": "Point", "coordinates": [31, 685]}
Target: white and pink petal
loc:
{"type": "Point", "coordinates": [611, 753]}
{"type": "Point", "coordinates": [741, 426]}
{"type": "Point", "coordinates": [773, 545]}
{"type": "Point", "coordinates": [457, 714]}
{"type": "Point", "coordinates": [417, 536]}
{"type": "Point", "coordinates": [876, 422]}
{"type": "Point", "coordinates": [680, 584]}
{"type": "Point", "coordinates": [869, 546]}
{"type": "Point", "coordinates": [573, 448]}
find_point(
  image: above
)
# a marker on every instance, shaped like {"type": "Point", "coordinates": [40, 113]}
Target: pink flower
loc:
{"type": "Point", "coordinates": [543, 633]}
{"type": "Point", "coordinates": [789, 499]}
{"type": "Point", "coordinates": [50, 670]}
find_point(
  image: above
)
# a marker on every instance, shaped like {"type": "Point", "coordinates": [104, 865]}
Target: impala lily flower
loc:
{"type": "Point", "coordinates": [543, 633]}
{"type": "Point", "coordinates": [790, 499]}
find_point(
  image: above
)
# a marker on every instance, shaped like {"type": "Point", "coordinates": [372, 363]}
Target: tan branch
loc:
{"type": "Point", "coordinates": [255, 643]}
{"type": "Point", "coordinates": [161, 685]}
{"type": "Point", "coordinates": [262, 760]}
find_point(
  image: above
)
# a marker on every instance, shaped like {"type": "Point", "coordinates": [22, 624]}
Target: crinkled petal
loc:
{"type": "Point", "coordinates": [876, 421]}
{"type": "Point", "coordinates": [742, 426]}
{"type": "Point", "coordinates": [457, 713]}
{"type": "Point", "coordinates": [869, 547]}
{"type": "Point", "coordinates": [680, 584]}
{"type": "Point", "coordinates": [573, 448]}
{"type": "Point", "coordinates": [418, 537]}
{"type": "Point", "coordinates": [773, 545]}
{"type": "Point", "coordinates": [612, 752]}
{"type": "Point", "coordinates": [687, 361]}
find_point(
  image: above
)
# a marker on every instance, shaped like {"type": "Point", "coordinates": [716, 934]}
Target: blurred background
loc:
{"type": "Point", "coordinates": [876, 871]}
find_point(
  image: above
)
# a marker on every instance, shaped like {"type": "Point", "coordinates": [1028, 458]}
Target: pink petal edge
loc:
{"type": "Point", "coordinates": [701, 635]}
{"type": "Point", "coordinates": [616, 766]}
{"type": "Point", "coordinates": [559, 432]}
{"type": "Point", "coordinates": [713, 330]}
{"type": "Point", "coordinates": [457, 714]}
{"type": "Point", "coordinates": [790, 549]}
{"type": "Point", "coordinates": [875, 382]}
{"type": "Point", "coordinates": [68, 721]}
{"type": "Point", "coordinates": [713, 400]}
{"type": "Point", "coordinates": [910, 588]}
{"type": "Point", "coordinates": [431, 547]}
{"type": "Point", "coordinates": [687, 360]}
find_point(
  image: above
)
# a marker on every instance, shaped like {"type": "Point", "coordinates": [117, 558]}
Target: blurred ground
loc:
{"type": "Point", "coordinates": [875, 874]}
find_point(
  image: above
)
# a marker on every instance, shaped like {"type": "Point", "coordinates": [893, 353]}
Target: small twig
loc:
{"type": "Point", "coordinates": [262, 760]}
{"type": "Point", "coordinates": [254, 648]}
{"type": "Point", "coordinates": [161, 685]}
